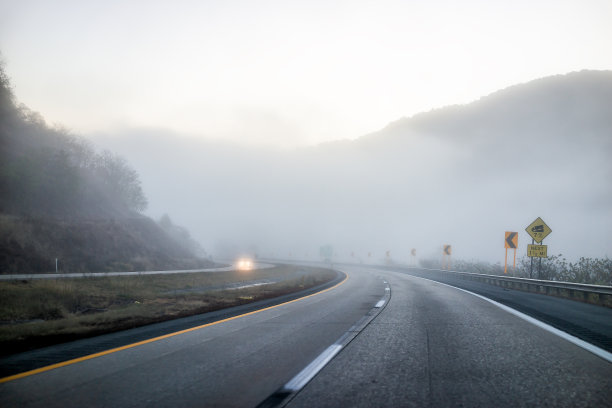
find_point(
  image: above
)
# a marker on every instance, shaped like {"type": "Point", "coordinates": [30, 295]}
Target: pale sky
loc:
{"type": "Point", "coordinates": [284, 73]}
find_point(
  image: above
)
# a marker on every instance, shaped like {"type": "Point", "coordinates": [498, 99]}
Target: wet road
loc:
{"type": "Point", "coordinates": [436, 346]}
{"type": "Point", "coordinates": [430, 345]}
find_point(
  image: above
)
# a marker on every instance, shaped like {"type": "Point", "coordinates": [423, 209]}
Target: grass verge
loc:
{"type": "Point", "coordinates": [36, 313]}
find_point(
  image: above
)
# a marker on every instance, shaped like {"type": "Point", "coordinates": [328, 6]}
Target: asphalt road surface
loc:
{"type": "Point", "coordinates": [436, 346]}
{"type": "Point", "coordinates": [237, 362]}
{"type": "Point", "coordinates": [586, 321]}
{"type": "Point", "coordinates": [430, 345]}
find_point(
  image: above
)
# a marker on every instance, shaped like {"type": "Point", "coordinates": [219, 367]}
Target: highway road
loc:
{"type": "Point", "coordinates": [586, 321]}
{"type": "Point", "coordinates": [436, 346]}
{"type": "Point", "coordinates": [421, 343]}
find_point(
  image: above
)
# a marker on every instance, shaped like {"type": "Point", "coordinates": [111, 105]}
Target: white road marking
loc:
{"type": "Point", "coordinates": [380, 303]}
{"type": "Point", "coordinates": [312, 369]}
{"type": "Point", "coordinates": [575, 340]}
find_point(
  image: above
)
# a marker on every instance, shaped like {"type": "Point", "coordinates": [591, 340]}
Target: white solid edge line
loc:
{"type": "Point", "coordinates": [575, 340]}
{"type": "Point", "coordinates": [302, 378]}
{"type": "Point", "coordinates": [380, 303]}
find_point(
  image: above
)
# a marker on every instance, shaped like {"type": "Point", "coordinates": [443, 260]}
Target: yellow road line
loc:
{"type": "Point", "coordinates": [165, 336]}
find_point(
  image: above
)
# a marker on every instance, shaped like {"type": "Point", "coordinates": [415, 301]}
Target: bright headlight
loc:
{"type": "Point", "coordinates": [244, 264]}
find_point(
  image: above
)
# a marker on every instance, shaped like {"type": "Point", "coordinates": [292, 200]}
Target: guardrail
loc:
{"type": "Point", "coordinates": [29, 276]}
{"type": "Point", "coordinates": [594, 294]}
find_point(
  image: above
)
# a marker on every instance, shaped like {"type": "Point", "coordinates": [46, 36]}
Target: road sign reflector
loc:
{"type": "Point", "coordinates": [511, 239]}
{"type": "Point", "coordinates": [537, 251]}
{"type": "Point", "coordinates": [538, 230]}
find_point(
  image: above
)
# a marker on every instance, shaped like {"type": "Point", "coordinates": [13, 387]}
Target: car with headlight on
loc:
{"type": "Point", "coordinates": [244, 264]}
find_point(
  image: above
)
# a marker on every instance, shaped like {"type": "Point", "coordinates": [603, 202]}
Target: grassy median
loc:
{"type": "Point", "coordinates": [35, 313]}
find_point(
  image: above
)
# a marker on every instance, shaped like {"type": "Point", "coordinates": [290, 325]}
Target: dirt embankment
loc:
{"type": "Point", "coordinates": [31, 245]}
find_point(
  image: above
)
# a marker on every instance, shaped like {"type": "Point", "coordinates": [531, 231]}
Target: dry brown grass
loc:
{"type": "Point", "coordinates": [40, 312]}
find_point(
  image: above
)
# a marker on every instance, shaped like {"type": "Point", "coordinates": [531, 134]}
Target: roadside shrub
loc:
{"type": "Point", "coordinates": [594, 271]}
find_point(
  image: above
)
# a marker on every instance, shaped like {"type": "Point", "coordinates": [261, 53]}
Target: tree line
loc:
{"type": "Point", "coordinates": [48, 171]}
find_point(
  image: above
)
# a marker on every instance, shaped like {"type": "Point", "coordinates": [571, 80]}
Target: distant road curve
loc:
{"type": "Point", "coordinates": [137, 273]}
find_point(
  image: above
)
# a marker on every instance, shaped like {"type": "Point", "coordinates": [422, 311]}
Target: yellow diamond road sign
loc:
{"type": "Point", "coordinates": [538, 230]}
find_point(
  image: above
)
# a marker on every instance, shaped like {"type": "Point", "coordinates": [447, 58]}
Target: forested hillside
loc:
{"type": "Point", "coordinates": [59, 198]}
{"type": "Point", "coordinates": [47, 171]}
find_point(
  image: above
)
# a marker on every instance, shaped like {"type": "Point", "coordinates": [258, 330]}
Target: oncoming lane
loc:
{"type": "Point", "coordinates": [255, 354]}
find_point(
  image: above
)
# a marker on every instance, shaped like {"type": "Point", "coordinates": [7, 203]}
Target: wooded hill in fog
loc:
{"type": "Point", "coordinates": [59, 198]}
{"type": "Point", "coordinates": [459, 175]}
{"type": "Point", "coordinates": [48, 172]}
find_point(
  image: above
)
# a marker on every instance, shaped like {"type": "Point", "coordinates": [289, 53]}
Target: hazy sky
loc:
{"type": "Point", "coordinates": [284, 73]}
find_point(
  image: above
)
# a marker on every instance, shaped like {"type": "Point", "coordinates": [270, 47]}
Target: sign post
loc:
{"type": "Point", "coordinates": [538, 230]}
{"type": "Point", "coordinates": [511, 241]}
{"type": "Point", "coordinates": [446, 254]}
{"type": "Point", "coordinates": [326, 252]}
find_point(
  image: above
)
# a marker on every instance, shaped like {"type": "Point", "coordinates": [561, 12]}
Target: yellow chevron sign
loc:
{"type": "Point", "coordinates": [511, 239]}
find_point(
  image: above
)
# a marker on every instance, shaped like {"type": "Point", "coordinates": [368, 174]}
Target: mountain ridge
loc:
{"type": "Point", "coordinates": [564, 86]}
